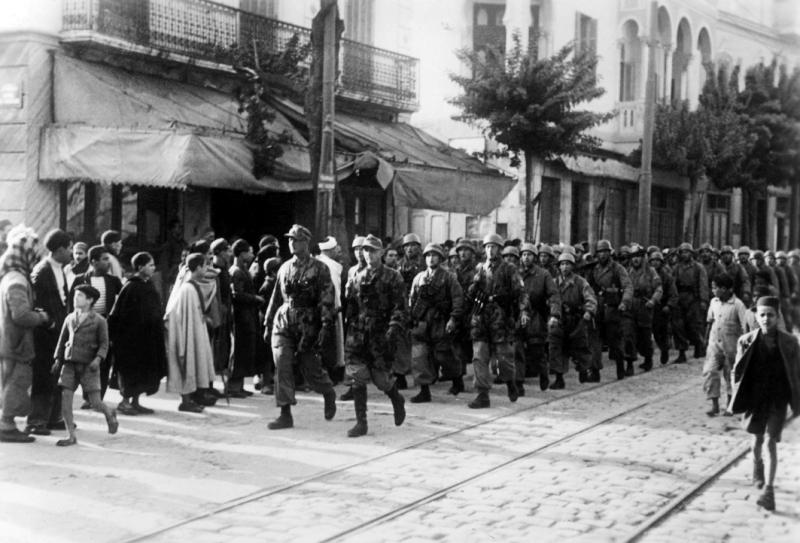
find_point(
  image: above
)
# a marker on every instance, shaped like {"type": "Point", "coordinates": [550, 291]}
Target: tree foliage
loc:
{"type": "Point", "coordinates": [531, 105]}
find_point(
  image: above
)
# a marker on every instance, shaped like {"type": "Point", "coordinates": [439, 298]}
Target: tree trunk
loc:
{"type": "Point", "coordinates": [528, 196]}
{"type": "Point", "coordinates": [698, 185]}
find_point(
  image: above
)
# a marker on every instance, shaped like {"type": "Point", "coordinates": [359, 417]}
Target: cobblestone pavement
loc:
{"type": "Point", "coordinates": [541, 467]}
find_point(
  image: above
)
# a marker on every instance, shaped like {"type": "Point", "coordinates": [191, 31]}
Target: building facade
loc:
{"type": "Point", "coordinates": [589, 199]}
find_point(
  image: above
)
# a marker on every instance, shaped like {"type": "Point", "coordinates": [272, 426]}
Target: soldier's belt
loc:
{"type": "Point", "coordinates": [300, 304]}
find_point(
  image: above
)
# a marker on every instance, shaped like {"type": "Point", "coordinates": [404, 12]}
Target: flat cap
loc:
{"type": "Point", "coordinates": [300, 232]}
{"type": "Point", "coordinates": [371, 242]}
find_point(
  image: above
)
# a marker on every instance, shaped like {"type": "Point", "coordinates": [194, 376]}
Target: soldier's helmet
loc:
{"type": "Point", "coordinates": [726, 249]}
{"type": "Point", "coordinates": [557, 249]}
{"type": "Point", "coordinates": [743, 250]}
{"type": "Point", "coordinates": [652, 249]}
{"type": "Point", "coordinates": [566, 257]}
{"type": "Point", "coordinates": [656, 255]}
{"type": "Point", "coordinates": [685, 246]}
{"type": "Point", "coordinates": [453, 252]}
{"type": "Point", "coordinates": [372, 242]}
{"type": "Point", "coordinates": [769, 254]}
{"type": "Point", "coordinates": [433, 248]}
{"type": "Point", "coordinates": [411, 238]}
{"type": "Point", "coordinates": [578, 249]}
{"type": "Point", "coordinates": [464, 244]}
{"type": "Point", "coordinates": [510, 251]}
{"type": "Point", "coordinates": [636, 250]}
{"type": "Point", "coordinates": [781, 254]}
{"type": "Point", "coordinates": [545, 249]}
{"type": "Point", "coordinates": [757, 255]}
{"type": "Point", "coordinates": [794, 253]}
{"type": "Point", "coordinates": [625, 250]}
{"type": "Point", "coordinates": [603, 245]}
{"type": "Point", "coordinates": [493, 238]}
{"type": "Point", "coordinates": [529, 247]}
{"type": "Point", "coordinates": [358, 242]}
{"type": "Point", "coordinates": [299, 232]}
{"type": "Point", "coordinates": [707, 247]}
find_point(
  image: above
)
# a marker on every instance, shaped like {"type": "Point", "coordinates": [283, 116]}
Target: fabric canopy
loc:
{"type": "Point", "coordinates": [159, 158]}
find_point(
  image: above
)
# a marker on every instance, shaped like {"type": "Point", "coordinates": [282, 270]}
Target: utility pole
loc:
{"type": "Point", "coordinates": [325, 190]}
{"type": "Point", "coordinates": [646, 175]}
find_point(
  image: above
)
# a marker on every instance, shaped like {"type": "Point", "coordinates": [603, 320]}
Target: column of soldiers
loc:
{"type": "Point", "coordinates": [527, 311]}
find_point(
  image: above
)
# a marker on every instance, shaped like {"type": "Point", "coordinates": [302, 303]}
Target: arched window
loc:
{"type": "Point", "coordinates": [630, 62]}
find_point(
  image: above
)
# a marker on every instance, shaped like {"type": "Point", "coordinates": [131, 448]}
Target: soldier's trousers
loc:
{"type": "Point", "coordinates": [363, 367]}
{"type": "Point", "coordinates": [644, 342]}
{"type": "Point", "coordinates": [595, 339]}
{"type": "Point", "coordinates": [402, 357]}
{"type": "Point", "coordinates": [482, 352]}
{"type": "Point", "coordinates": [432, 352]}
{"type": "Point", "coordinates": [462, 351]}
{"type": "Point", "coordinates": [688, 323]}
{"type": "Point", "coordinates": [284, 351]}
{"type": "Point", "coordinates": [570, 340]}
{"type": "Point", "coordinates": [612, 329]}
{"type": "Point", "coordinates": [661, 329]}
{"type": "Point", "coordinates": [534, 359]}
{"type": "Point", "coordinates": [630, 337]}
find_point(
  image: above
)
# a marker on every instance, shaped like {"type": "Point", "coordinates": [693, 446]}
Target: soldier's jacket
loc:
{"type": "Point", "coordinates": [783, 283]}
{"type": "Point", "coordinates": [611, 284]}
{"type": "Point", "coordinates": [544, 300]}
{"type": "Point", "coordinates": [577, 298]}
{"type": "Point", "coordinates": [741, 280]}
{"type": "Point", "coordinates": [713, 270]}
{"type": "Point", "coordinates": [691, 281]}
{"type": "Point", "coordinates": [409, 268]}
{"type": "Point", "coordinates": [302, 298]}
{"type": "Point", "coordinates": [502, 285]}
{"type": "Point", "coordinates": [791, 279]}
{"type": "Point", "coordinates": [379, 298]}
{"type": "Point", "coordinates": [669, 294]}
{"type": "Point", "coordinates": [773, 278]}
{"type": "Point", "coordinates": [646, 287]}
{"type": "Point", "coordinates": [751, 272]}
{"type": "Point", "coordinates": [436, 295]}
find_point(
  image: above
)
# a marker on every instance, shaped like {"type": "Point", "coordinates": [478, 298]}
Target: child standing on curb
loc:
{"type": "Point", "coordinates": [82, 346]}
{"type": "Point", "coordinates": [727, 320]}
{"type": "Point", "coordinates": [766, 378]}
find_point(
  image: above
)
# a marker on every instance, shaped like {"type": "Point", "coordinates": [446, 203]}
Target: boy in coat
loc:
{"type": "Point", "coordinates": [766, 378]}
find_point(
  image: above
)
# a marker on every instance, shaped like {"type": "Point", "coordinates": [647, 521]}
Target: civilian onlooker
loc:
{"type": "Point", "coordinates": [766, 379]}
{"type": "Point", "coordinates": [333, 354]}
{"type": "Point", "coordinates": [112, 240]}
{"type": "Point", "coordinates": [390, 258]}
{"type": "Point", "coordinates": [109, 287]}
{"type": "Point", "coordinates": [267, 382]}
{"type": "Point", "coordinates": [221, 335]}
{"type": "Point", "coordinates": [137, 329]}
{"type": "Point", "coordinates": [79, 264]}
{"type": "Point", "coordinates": [50, 293]}
{"type": "Point", "coordinates": [189, 355]}
{"type": "Point", "coordinates": [18, 318]}
{"type": "Point", "coordinates": [81, 347]}
{"type": "Point", "coordinates": [172, 256]}
{"type": "Point", "coordinates": [246, 304]}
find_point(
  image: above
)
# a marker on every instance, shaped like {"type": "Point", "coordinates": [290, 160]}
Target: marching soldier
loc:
{"type": "Point", "coordinates": [300, 316]}
{"type": "Point", "coordinates": [647, 293]}
{"type": "Point", "coordinates": [547, 260]}
{"type": "Point", "coordinates": [614, 296]}
{"type": "Point", "coordinates": [496, 294]}
{"type": "Point", "coordinates": [713, 268]}
{"type": "Point", "coordinates": [741, 280]}
{"type": "Point", "coordinates": [570, 336]}
{"type": "Point", "coordinates": [743, 255]}
{"type": "Point", "coordinates": [378, 302]}
{"type": "Point", "coordinates": [409, 266]}
{"type": "Point", "coordinates": [435, 307]}
{"type": "Point", "coordinates": [691, 283]}
{"type": "Point", "coordinates": [544, 302]}
{"type": "Point", "coordinates": [357, 246]}
{"type": "Point", "coordinates": [511, 256]}
{"type": "Point", "coordinates": [462, 342]}
{"type": "Point", "coordinates": [663, 310]}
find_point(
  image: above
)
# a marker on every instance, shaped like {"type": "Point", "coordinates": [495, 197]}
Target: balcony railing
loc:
{"type": "Point", "coordinates": [206, 30]}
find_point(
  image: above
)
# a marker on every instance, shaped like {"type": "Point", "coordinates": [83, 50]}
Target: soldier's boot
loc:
{"type": "Point", "coordinates": [620, 369]}
{"type": "Point", "coordinates": [481, 401]}
{"type": "Point", "coordinates": [767, 499]}
{"type": "Point", "coordinates": [758, 473]}
{"type": "Point", "coordinates": [330, 403]}
{"type": "Point", "coordinates": [400, 381]}
{"type": "Point", "coordinates": [699, 351]}
{"type": "Point", "coordinates": [347, 395]}
{"type": "Point", "coordinates": [647, 365]}
{"type": "Point", "coordinates": [513, 393]}
{"type": "Point", "coordinates": [398, 405]}
{"type": "Point", "coordinates": [714, 411]}
{"type": "Point", "coordinates": [594, 374]}
{"type": "Point", "coordinates": [629, 369]}
{"type": "Point", "coordinates": [544, 381]}
{"type": "Point", "coordinates": [681, 358]}
{"type": "Point", "coordinates": [584, 376]}
{"type": "Point", "coordinates": [458, 386]}
{"type": "Point", "coordinates": [521, 388]}
{"type": "Point", "coordinates": [360, 404]}
{"type": "Point", "coordinates": [424, 395]}
{"type": "Point", "coordinates": [664, 356]}
{"type": "Point", "coordinates": [558, 384]}
{"type": "Point", "coordinates": [284, 420]}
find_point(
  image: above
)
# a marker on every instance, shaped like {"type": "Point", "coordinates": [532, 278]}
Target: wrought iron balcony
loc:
{"type": "Point", "coordinates": [205, 30]}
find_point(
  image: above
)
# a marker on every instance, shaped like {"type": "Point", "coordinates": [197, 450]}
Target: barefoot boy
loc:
{"type": "Point", "coordinates": [766, 378]}
{"type": "Point", "coordinates": [82, 345]}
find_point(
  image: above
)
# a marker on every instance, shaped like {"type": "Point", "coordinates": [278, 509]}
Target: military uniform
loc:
{"type": "Point", "coordinates": [544, 301]}
{"type": "Point", "coordinates": [408, 268]}
{"type": "Point", "coordinates": [570, 339]}
{"type": "Point", "coordinates": [688, 324]}
{"type": "Point", "coordinates": [377, 299]}
{"type": "Point", "coordinates": [663, 310]}
{"type": "Point", "coordinates": [741, 279]}
{"type": "Point", "coordinates": [498, 286]}
{"type": "Point", "coordinates": [647, 293]}
{"type": "Point", "coordinates": [436, 298]}
{"type": "Point", "coordinates": [613, 287]}
{"type": "Point", "coordinates": [462, 341]}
